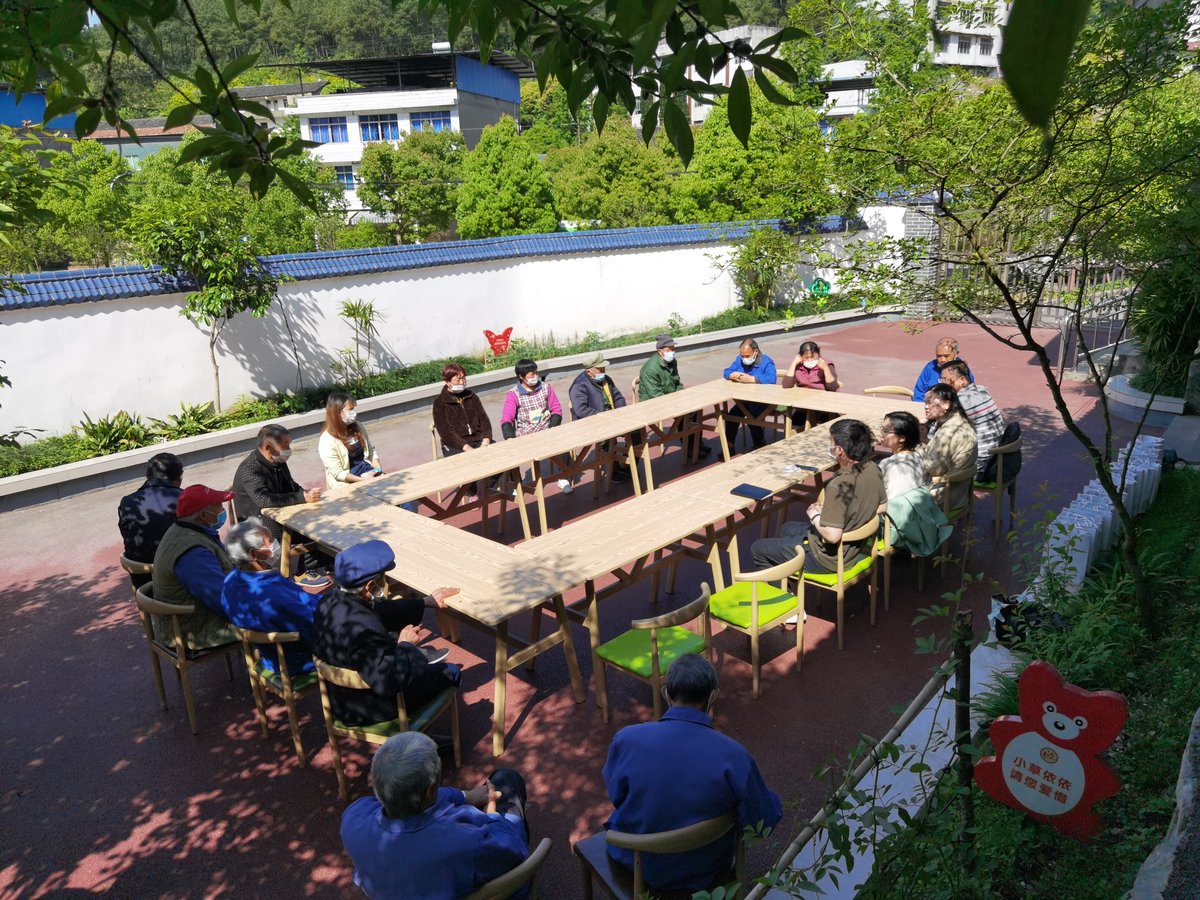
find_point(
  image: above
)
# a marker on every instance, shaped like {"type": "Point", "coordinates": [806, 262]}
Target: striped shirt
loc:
{"type": "Point", "coordinates": [981, 409]}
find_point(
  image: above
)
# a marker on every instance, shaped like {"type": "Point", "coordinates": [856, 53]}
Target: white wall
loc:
{"type": "Point", "coordinates": [140, 354]}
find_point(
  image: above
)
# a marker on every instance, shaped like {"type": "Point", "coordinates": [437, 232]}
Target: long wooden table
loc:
{"type": "Point", "coordinates": [694, 515]}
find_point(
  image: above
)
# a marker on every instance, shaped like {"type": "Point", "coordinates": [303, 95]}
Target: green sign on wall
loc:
{"type": "Point", "coordinates": [819, 288]}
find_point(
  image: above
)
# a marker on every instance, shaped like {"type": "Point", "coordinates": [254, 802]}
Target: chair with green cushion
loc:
{"type": "Point", "coordinates": [379, 732]}
{"type": "Point", "coordinates": [1007, 460]}
{"type": "Point", "coordinates": [963, 512]}
{"type": "Point", "coordinates": [278, 682]}
{"type": "Point", "coordinates": [752, 604]}
{"type": "Point", "coordinates": [843, 577]}
{"type": "Point", "coordinates": [649, 647]}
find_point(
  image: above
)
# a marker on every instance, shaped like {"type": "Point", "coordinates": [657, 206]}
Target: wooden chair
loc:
{"type": "Point", "coordinates": [1006, 455]}
{"type": "Point", "coordinates": [278, 682]}
{"type": "Point", "coordinates": [843, 577]}
{"type": "Point", "coordinates": [175, 648]}
{"type": "Point", "coordinates": [509, 883]}
{"type": "Point", "coordinates": [647, 650]}
{"type": "Point", "coordinates": [379, 732]}
{"type": "Point", "coordinates": [133, 567]}
{"type": "Point", "coordinates": [893, 390]}
{"type": "Point", "coordinates": [623, 884]}
{"type": "Point", "coordinates": [943, 497]}
{"type": "Point", "coordinates": [753, 605]}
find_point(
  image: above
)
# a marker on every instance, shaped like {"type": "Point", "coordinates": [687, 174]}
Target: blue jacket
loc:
{"type": "Point", "coordinates": [441, 853]}
{"type": "Point", "coordinates": [144, 517]}
{"type": "Point", "coordinates": [931, 375]}
{"type": "Point", "coordinates": [266, 601]}
{"type": "Point", "coordinates": [676, 772]}
{"type": "Point", "coordinates": [763, 369]}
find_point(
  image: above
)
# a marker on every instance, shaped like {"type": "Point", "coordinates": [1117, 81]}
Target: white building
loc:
{"type": "Point", "coordinates": [426, 92]}
{"type": "Point", "coordinates": [968, 35]}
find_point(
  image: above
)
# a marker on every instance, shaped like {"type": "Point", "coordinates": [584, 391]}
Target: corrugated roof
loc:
{"type": "Point", "coordinates": [89, 285]}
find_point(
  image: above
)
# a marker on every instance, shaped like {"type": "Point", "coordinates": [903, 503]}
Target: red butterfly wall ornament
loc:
{"type": "Point", "coordinates": [499, 342]}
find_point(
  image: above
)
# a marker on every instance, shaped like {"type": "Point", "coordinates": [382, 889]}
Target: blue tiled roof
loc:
{"type": "Point", "coordinates": [88, 285]}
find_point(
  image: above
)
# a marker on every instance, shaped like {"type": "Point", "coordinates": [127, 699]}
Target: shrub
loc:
{"type": "Point", "coordinates": [112, 434]}
{"type": "Point", "coordinates": [51, 451]}
{"type": "Point", "coordinates": [193, 419]}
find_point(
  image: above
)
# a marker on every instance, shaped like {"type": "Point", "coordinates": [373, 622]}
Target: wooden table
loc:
{"type": "Point", "coordinates": [495, 582]}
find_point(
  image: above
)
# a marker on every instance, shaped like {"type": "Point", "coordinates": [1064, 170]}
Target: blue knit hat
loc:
{"type": "Point", "coordinates": [357, 565]}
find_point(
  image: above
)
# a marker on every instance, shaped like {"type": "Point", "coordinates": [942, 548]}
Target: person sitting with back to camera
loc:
{"type": "Point", "coordinates": [144, 516]}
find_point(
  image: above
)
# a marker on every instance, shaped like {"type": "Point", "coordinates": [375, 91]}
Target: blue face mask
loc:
{"type": "Point", "coordinates": [221, 519]}
{"type": "Point", "coordinates": [599, 377]}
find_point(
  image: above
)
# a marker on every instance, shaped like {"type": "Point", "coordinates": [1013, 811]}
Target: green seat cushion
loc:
{"type": "Point", "coordinates": [733, 604]}
{"type": "Point", "coordinates": [631, 650]}
{"type": "Point", "coordinates": [301, 682]}
{"type": "Point", "coordinates": [829, 579]}
{"type": "Point", "coordinates": [419, 722]}
{"type": "Point", "coordinates": [984, 485]}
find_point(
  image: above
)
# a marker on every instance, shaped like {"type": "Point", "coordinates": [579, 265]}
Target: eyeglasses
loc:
{"type": "Point", "coordinates": [886, 431]}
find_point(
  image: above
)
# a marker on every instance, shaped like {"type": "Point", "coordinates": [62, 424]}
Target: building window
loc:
{"type": "Point", "coordinates": [329, 130]}
{"type": "Point", "coordinates": [986, 45]}
{"type": "Point", "coordinates": [379, 128]}
{"type": "Point", "coordinates": [345, 176]}
{"type": "Point", "coordinates": [964, 43]}
{"type": "Point", "coordinates": [437, 120]}
{"type": "Point", "coordinates": [943, 43]}
{"type": "Point", "coordinates": [988, 15]}
{"type": "Point", "coordinates": [944, 12]}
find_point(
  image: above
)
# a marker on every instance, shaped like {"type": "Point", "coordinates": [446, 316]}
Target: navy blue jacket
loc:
{"type": "Point", "coordinates": [587, 397]}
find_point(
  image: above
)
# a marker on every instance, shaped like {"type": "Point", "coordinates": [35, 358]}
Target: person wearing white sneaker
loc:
{"type": "Point", "coordinates": [531, 406]}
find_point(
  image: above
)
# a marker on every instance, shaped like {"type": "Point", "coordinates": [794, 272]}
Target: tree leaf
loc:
{"type": "Point", "coordinates": [679, 131]}
{"type": "Point", "coordinates": [600, 111]}
{"type": "Point", "coordinates": [1038, 41]}
{"type": "Point", "coordinates": [650, 121]}
{"type": "Point", "coordinates": [772, 93]}
{"type": "Point", "coordinates": [181, 115]}
{"type": "Point", "coordinates": [240, 65]}
{"type": "Point", "coordinates": [739, 106]}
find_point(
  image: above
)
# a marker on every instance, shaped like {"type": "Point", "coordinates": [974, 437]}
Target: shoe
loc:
{"type": "Point", "coordinates": [705, 451]}
{"type": "Point", "coordinates": [790, 622]}
{"type": "Point", "coordinates": [565, 486]}
{"type": "Point", "coordinates": [620, 476]}
{"type": "Point", "coordinates": [435, 655]}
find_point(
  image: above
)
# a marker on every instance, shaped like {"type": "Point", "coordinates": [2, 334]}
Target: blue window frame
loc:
{"type": "Point", "coordinates": [436, 120]}
{"type": "Point", "coordinates": [329, 130]}
{"type": "Point", "coordinates": [345, 176]}
{"type": "Point", "coordinates": [379, 127]}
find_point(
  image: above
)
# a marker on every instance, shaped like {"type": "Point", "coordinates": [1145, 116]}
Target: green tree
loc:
{"type": "Point", "coordinates": [203, 239]}
{"type": "Point", "coordinates": [547, 111]}
{"type": "Point", "coordinates": [504, 189]}
{"type": "Point", "coordinates": [1018, 213]}
{"type": "Point", "coordinates": [611, 181]}
{"type": "Point", "coordinates": [412, 186]}
{"type": "Point", "coordinates": [91, 204]}
{"type": "Point", "coordinates": [782, 172]}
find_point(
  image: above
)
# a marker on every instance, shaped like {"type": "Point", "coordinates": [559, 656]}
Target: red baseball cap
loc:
{"type": "Point", "coordinates": [195, 497]}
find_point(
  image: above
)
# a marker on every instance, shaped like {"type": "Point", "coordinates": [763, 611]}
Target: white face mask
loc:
{"type": "Point", "coordinates": [749, 360]}
{"type": "Point", "coordinates": [532, 381]}
{"type": "Point", "coordinates": [349, 415]}
{"type": "Point", "coordinates": [282, 456]}
{"type": "Point", "coordinates": [457, 388]}
{"type": "Point", "coordinates": [669, 356]}
{"type": "Point", "coordinates": [810, 363]}
{"type": "Point", "coordinates": [272, 561]}
{"type": "Point", "coordinates": [833, 453]}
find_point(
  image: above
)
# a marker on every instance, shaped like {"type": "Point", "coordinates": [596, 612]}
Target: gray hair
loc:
{"type": "Point", "coordinates": [691, 680]}
{"type": "Point", "coordinates": [402, 772]}
{"type": "Point", "coordinates": [244, 538]}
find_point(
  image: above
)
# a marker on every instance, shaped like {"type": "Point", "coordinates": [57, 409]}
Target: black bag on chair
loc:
{"type": "Point", "coordinates": [1012, 461]}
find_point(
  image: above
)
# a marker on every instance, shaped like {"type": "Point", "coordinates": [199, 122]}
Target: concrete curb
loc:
{"type": "Point", "coordinates": [57, 482]}
{"type": "Point", "coordinates": [1166, 860]}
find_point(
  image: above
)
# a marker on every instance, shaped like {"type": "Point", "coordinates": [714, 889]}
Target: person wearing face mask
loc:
{"type": "Point", "coordinates": [352, 629]}
{"type": "Point", "coordinates": [458, 415]}
{"type": "Point", "coordinates": [264, 480]}
{"type": "Point", "coordinates": [660, 376]}
{"type": "Point", "coordinates": [190, 566]}
{"type": "Point", "coordinates": [593, 392]}
{"type": "Point", "coordinates": [809, 369]}
{"type": "Point", "coordinates": [853, 495]}
{"type": "Point", "coordinates": [257, 597]}
{"type": "Point", "coordinates": [344, 448]}
{"type": "Point", "coordinates": [530, 407]}
{"type": "Point", "coordinates": [751, 366]}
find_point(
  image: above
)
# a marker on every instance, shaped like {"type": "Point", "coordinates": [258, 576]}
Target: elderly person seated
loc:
{"type": "Point", "coordinates": [593, 392]}
{"type": "Point", "coordinates": [257, 597]}
{"type": "Point", "coordinates": [458, 415]}
{"type": "Point", "coordinates": [944, 351]}
{"type": "Point", "coordinates": [190, 566]}
{"type": "Point", "coordinates": [417, 839]}
{"type": "Point", "coordinates": [952, 449]}
{"type": "Point", "coordinates": [145, 515]}
{"type": "Point", "coordinates": [751, 366]}
{"type": "Point", "coordinates": [679, 771]}
{"type": "Point", "coordinates": [264, 480]}
{"type": "Point", "coordinates": [920, 526]}
{"type": "Point", "coordinates": [351, 630]}
{"type": "Point", "coordinates": [977, 403]}
{"type": "Point", "coordinates": [810, 370]}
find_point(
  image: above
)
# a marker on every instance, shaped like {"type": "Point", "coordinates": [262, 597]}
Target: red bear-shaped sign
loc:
{"type": "Point", "coordinates": [1046, 759]}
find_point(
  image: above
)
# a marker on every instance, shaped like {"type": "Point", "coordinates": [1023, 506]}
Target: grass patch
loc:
{"type": "Point", "coordinates": [1104, 649]}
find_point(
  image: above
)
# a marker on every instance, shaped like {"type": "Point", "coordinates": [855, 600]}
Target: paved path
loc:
{"type": "Point", "coordinates": [100, 790]}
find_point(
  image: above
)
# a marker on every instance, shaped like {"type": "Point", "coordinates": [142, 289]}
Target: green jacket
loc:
{"type": "Point", "coordinates": [203, 628]}
{"type": "Point", "coordinates": [658, 378]}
